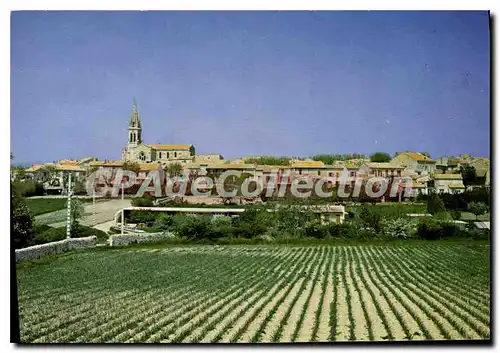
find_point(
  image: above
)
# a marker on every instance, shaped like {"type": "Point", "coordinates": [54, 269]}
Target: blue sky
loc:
{"type": "Point", "coordinates": [250, 83]}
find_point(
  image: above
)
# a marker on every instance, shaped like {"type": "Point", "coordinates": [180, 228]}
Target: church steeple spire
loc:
{"type": "Point", "coordinates": [134, 127]}
{"type": "Point", "coordinates": [134, 118]}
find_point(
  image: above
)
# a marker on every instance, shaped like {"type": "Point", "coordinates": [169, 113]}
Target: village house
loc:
{"type": "Point", "coordinates": [415, 162]}
{"type": "Point", "coordinates": [208, 158]}
{"type": "Point", "coordinates": [313, 168]}
{"type": "Point", "coordinates": [54, 183]}
{"type": "Point", "coordinates": [386, 170]}
{"type": "Point", "coordinates": [448, 183]}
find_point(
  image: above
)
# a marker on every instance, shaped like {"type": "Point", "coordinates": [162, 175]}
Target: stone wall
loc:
{"type": "Point", "coordinates": [37, 251]}
{"type": "Point", "coordinates": [125, 239]}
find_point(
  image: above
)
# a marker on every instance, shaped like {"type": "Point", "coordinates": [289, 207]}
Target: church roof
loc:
{"type": "Point", "coordinates": [170, 147]}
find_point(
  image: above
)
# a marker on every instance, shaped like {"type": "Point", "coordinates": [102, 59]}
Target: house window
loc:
{"type": "Point", "coordinates": [300, 171]}
{"type": "Point", "coordinates": [353, 174]}
{"type": "Point", "coordinates": [175, 154]}
{"type": "Point", "coordinates": [168, 154]}
{"type": "Point", "coordinates": [142, 156]}
{"type": "Point", "coordinates": [319, 173]}
{"type": "Point", "coordinates": [159, 155]}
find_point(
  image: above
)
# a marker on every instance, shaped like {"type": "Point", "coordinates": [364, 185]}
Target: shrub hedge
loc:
{"type": "Point", "coordinates": [368, 222]}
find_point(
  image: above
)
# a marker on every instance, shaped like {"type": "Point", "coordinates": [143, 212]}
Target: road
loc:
{"type": "Point", "coordinates": [105, 211]}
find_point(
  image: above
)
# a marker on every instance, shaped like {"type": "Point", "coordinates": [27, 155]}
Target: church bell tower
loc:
{"type": "Point", "coordinates": [134, 128]}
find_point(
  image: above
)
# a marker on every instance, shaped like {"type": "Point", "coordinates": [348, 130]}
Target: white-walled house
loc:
{"type": "Point", "coordinates": [448, 183]}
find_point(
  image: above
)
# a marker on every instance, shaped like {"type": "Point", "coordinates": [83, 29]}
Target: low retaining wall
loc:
{"type": "Point", "coordinates": [37, 251]}
{"type": "Point", "coordinates": [125, 239]}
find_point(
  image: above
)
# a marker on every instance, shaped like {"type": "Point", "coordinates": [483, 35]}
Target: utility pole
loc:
{"type": "Point", "coordinates": [94, 222]}
{"type": "Point", "coordinates": [123, 220]}
{"type": "Point", "coordinates": [68, 215]}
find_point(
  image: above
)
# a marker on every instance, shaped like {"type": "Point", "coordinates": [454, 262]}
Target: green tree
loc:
{"type": "Point", "coordinates": [174, 169]}
{"type": "Point", "coordinates": [332, 158]}
{"type": "Point", "coordinates": [380, 157]}
{"type": "Point", "coordinates": [468, 174]}
{"type": "Point", "coordinates": [478, 208]}
{"type": "Point", "coordinates": [46, 174]}
{"type": "Point", "coordinates": [435, 204]}
{"type": "Point", "coordinates": [22, 221]}
{"type": "Point", "coordinates": [268, 160]}
{"type": "Point", "coordinates": [77, 211]}
{"type": "Point", "coordinates": [370, 218]}
{"type": "Point", "coordinates": [132, 166]}
{"type": "Point", "coordinates": [19, 172]}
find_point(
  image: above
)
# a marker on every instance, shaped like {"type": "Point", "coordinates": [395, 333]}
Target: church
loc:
{"type": "Point", "coordinates": [137, 151]}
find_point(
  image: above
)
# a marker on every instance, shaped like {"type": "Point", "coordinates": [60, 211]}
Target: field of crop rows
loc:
{"type": "Point", "coordinates": [258, 294]}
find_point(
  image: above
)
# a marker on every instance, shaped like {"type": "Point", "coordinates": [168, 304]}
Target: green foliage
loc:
{"type": "Point", "coordinates": [79, 188]}
{"type": "Point", "coordinates": [370, 219]}
{"type": "Point", "coordinates": [468, 175]}
{"type": "Point", "coordinates": [268, 160]}
{"type": "Point", "coordinates": [332, 158]}
{"type": "Point", "coordinates": [28, 187]}
{"type": "Point", "coordinates": [144, 201]}
{"type": "Point", "coordinates": [164, 221]}
{"type": "Point", "coordinates": [380, 157]}
{"type": "Point", "coordinates": [50, 235]}
{"type": "Point", "coordinates": [429, 229]}
{"type": "Point", "coordinates": [443, 216]}
{"type": "Point", "coordinates": [45, 174]}
{"type": "Point", "coordinates": [456, 215]}
{"type": "Point", "coordinates": [343, 230]}
{"type": "Point", "coordinates": [47, 205]}
{"type": "Point", "coordinates": [399, 229]}
{"type": "Point", "coordinates": [132, 166]}
{"type": "Point", "coordinates": [77, 211]}
{"type": "Point", "coordinates": [142, 217]}
{"type": "Point", "coordinates": [40, 228]}
{"type": "Point", "coordinates": [432, 229]}
{"type": "Point", "coordinates": [222, 226]}
{"type": "Point", "coordinates": [174, 169]}
{"type": "Point", "coordinates": [478, 208]}
{"type": "Point", "coordinates": [367, 233]}
{"type": "Point", "coordinates": [251, 223]}
{"type": "Point", "coordinates": [289, 222]}
{"type": "Point", "coordinates": [80, 231]}
{"type": "Point", "coordinates": [22, 221]}
{"type": "Point", "coordinates": [459, 201]}
{"type": "Point", "coordinates": [60, 233]}
{"type": "Point", "coordinates": [435, 204]}
{"type": "Point", "coordinates": [192, 227]}
{"type": "Point", "coordinates": [19, 171]}
{"type": "Point", "coordinates": [41, 206]}
{"type": "Point", "coordinates": [315, 229]}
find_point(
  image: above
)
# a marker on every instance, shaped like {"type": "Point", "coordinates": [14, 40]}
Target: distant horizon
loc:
{"type": "Point", "coordinates": [293, 84]}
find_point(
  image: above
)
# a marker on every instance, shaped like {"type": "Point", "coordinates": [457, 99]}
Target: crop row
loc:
{"type": "Point", "coordinates": [258, 294]}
